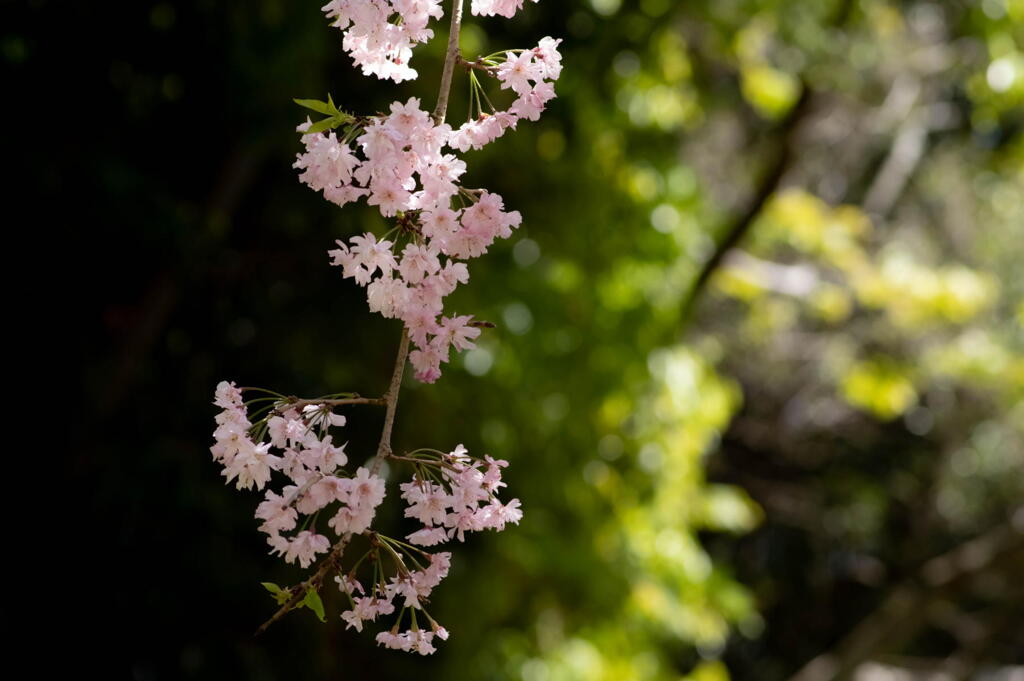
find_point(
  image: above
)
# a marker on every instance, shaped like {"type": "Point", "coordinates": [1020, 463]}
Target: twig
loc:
{"type": "Point", "coordinates": [424, 462]}
{"type": "Point", "coordinates": [769, 182]}
{"type": "Point", "coordinates": [478, 65]}
{"type": "Point", "coordinates": [451, 57]}
{"type": "Point", "coordinates": [908, 148]}
{"type": "Point", "coordinates": [384, 446]}
{"type": "Point", "coordinates": [766, 187]}
{"type": "Point", "coordinates": [295, 403]}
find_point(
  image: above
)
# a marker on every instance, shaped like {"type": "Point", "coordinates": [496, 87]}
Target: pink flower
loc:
{"type": "Point", "coordinates": [418, 261]}
{"type": "Point", "coordinates": [366, 608]}
{"type": "Point", "coordinates": [304, 547]}
{"type": "Point", "coordinates": [408, 119]}
{"type": "Point", "coordinates": [373, 254]}
{"type": "Point", "coordinates": [276, 516]}
{"type": "Point", "coordinates": [427, 364]}
{"type": "Point", "coordinates": [395, 641]}
{"type": "Point", "coordinates": [517, 71]}
{"type": "Point", "coordinates": [421, 321]}
{"type": "Point", "coordinates": [455, 331]}
{"type": "Point", "coordinates": [348, 520]}
{"type": "Point", "coordinates": [547, 53]}
{"type": "Point", "coordinates": [506, 8]}
{"type": "Point", "coordinates": [228, 396]}
{"type": "Point", "coordinates": [532, 103]}
{"type": "Point", "coordinates": [367, 491]}
{"type": "Point", "coordinates": [497, 514]}
{"type": "Point", "coordinates": [428, 502]}
{"type": "Point", "coordinates": [251, 465]}
{"type": "Point", "coordinates": [329, 490]}
{"type": "Point", "coordinates": [428, 536]}
{"type": "Point", "coordinates": [379, 35]}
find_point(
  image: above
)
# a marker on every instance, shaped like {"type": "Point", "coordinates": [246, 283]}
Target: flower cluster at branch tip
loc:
{"type": "Point", "coordinates": [451, 494]}
{"type": "Point", "coordinates": [380, 35]}
{"type": "Point", "coordinates": [308, 459]}
{"type": "Point", "coordinates": [404, 171]}
{"type": "Point", "coordinates": [530, 75]}
{"type": "Point", "coordinates": [463, 498]}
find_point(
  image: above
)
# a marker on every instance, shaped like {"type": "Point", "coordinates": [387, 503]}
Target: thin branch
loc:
{"type": "Point", "coordinates": [908, 148]}
{"type": "Point", "coordinates": [296, 403]}
{"type": "Point", "coordinates": [424, 462]}
{"type": "Point", "coordinates": [450, 59]}
{"type": "Point", "coordinates": [384, 446]}
{"type": "Point", "coordinates": [478, 65]}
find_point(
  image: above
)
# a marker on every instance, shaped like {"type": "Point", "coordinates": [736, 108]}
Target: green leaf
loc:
{"type": "Point", "coordinates": [330, 104]}
{"type": "Point", "coordinates": [320, 126]}
{"type": "Point", "coordinates": [280, 595]}
{"type": "Point", "coordinates": [313, 602]}
{"type": "Point", "coordinates": [317, 105]}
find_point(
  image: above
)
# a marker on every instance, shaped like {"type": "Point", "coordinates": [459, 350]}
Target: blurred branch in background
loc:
{"type": "Point", "coordinates": [998, 554]}
{"type": "Point", "coordinates": [786, 132]}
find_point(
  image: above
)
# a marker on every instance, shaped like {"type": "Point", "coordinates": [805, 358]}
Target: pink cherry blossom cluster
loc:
{"type": "Point", "coordinates": [398, 150]}
{"type": "Point", "coordinates": [506, 8]}
{"type": "Point", "coordinates": [458, 498]}
{"type": "Point", "coordinates": [531, 76]}
{"type": "Point", "coordinates": [399, 164]}
{"type": "Point", "coordinates": [380, 34]}
{"type": "Point", "coordinates": [310, 462]}
{"type": "Point", "coordinates": [243, 460]}
{"type": "Point", "coordinates": [413, 585]}
{"type": "Point", "coordinates": [451, 493]}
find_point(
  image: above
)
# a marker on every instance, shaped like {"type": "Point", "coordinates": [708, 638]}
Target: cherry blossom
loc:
{"type": "Point", "coordinates": [408, 164]}
{"type": "Point", "coordinates": [380, 34]}
{"type": "Point", "coordinates": [465, 499]}
{"type": "Point", "coordinates": [505, 8]}
{"type": "Point", "coordinates": [399, 165]}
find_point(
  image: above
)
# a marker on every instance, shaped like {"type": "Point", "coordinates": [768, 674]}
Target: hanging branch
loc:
{"type": "Point", "coordinates": [333, 559]}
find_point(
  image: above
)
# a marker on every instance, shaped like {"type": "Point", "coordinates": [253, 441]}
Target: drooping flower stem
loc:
{"type": "Point", "coordinates": [333, 560]}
